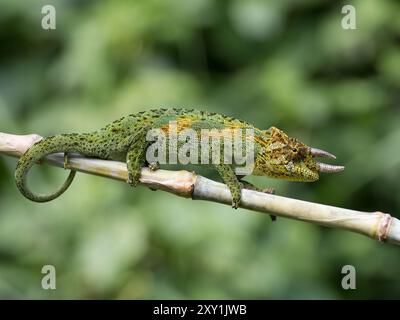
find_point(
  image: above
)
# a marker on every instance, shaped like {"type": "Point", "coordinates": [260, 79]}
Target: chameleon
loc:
{"type": "Point", "coordinates": [276, 154]}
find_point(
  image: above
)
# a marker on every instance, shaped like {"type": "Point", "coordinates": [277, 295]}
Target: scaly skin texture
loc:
{"type": "Point", "coordinates": [276, 155]}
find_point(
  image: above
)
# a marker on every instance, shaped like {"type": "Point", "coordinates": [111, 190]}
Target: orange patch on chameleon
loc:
{"type": "Point", "coordinates": [181, 124]}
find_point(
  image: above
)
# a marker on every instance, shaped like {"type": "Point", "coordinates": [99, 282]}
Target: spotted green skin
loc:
{"type": "Point", "coordinates": [276, 155]}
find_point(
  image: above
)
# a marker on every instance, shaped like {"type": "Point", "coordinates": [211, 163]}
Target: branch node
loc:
{"type": "Point", "coordinates": [384, 226]}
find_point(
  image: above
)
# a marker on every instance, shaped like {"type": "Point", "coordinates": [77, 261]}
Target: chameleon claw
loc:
{"type": "Point", "coordinates": [154, 166]}
{"type": "Point", "coordinates": [132, 183]}
{"type": "Point", "coordinates": [235, 202]}
{"type": "Point", "coordinates": [133, 179]}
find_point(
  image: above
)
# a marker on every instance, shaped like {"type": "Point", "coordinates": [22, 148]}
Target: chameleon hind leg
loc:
{"type": "Point", "coordinates": [135, 160]}
{"type": "Point", "coordinates": [136, 156]}
{"type": "Point", "coordinates": [228, 176]}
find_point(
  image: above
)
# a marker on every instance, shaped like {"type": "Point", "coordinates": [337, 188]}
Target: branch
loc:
{"type": "Point", "coordinates": [376, 225]}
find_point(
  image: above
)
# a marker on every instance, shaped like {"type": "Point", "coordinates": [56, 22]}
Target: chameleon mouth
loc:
{"type": "Point", "coordinates": [324, 167]}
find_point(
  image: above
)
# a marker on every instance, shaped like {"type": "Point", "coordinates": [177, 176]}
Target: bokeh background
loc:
{"type": "Point", "coordinates": [286, 63]}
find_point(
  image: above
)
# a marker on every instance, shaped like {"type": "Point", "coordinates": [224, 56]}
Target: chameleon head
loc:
{"type": "Point", "coordinates": [287, 158]}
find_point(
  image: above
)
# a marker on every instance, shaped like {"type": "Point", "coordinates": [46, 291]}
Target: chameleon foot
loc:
{"type": "Point", "coordinates": [133, 179]}
{"type": "Point", "coordinates": [236, 200]}
{"type": "Point", "coordinates": [132, 183]}
{"type": "Point", "coordinates": [154, 166]}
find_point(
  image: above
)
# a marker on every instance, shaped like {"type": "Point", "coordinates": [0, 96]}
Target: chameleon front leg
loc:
{"type": "Point", "coordinates": [229, 178]}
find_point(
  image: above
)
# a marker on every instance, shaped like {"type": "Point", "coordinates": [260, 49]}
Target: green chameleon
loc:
{"type": "Point", "coordinates": [275, 154]}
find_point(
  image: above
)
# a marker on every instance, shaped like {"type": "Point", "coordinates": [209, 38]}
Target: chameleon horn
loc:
{"type": "Point", "coordinates": [321, 153]}
{"type": "Point", "coordinates": [323, 167]}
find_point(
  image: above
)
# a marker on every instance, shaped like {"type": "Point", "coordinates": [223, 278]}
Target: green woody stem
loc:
{"type": "Point", "coordinates": [377, 225]}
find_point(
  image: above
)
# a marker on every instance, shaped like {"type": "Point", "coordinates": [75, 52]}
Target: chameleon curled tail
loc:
{"type": "Point", "coordinates": [59, 143]}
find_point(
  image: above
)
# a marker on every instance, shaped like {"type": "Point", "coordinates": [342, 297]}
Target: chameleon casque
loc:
{"type": "Point", "coordinates": [276, 154]}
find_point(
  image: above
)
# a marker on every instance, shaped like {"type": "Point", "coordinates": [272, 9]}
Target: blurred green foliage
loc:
{"type": "Point", "coordinates": [284, 63]}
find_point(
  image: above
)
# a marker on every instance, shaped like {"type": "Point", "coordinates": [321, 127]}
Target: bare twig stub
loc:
{"type": "Point", "coordinates": [377, 225]}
